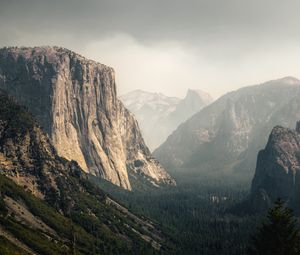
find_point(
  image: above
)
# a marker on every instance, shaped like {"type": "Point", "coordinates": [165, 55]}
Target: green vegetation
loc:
{"type": "Point", "coordinates": [91, 230]}
{"type": "Point", "coordinates": [8, 248]}
{"type": "Point", "coordinates": [279, 233]}
{"type": "Point", "coordinates": [196, 214]}
{"type": "Point", "coordinates": [17, 118]}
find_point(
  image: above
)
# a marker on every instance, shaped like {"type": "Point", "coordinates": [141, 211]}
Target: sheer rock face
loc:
{"type": "Point", "coordinates": [74, 100]}
{"type": "Point", "coordinates": [277, 170]}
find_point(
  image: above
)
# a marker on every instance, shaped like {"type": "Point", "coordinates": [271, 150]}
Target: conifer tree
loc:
{"type": "Point", "coordinates": [279, 234]}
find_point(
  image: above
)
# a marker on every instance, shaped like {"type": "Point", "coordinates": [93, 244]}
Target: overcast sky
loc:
{"type": "Point", "coordinates": [166, 45]}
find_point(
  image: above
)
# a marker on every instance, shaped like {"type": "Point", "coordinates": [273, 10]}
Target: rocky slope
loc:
{"type": "Point", "coordinates": [74, 99]}
{"type": "Point", "coordinates": [54, 209]}
{"type": "Point", "coordinates": [277, 169]}
{"type": "Point", "coordinates": [228, 134]}
{"type": "Point", "coordinates": [26, 154]}
{"type": "Point", "coordinates": [159, 115]}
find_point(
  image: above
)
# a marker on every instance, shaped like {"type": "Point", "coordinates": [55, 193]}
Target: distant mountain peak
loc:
{"type": "Point", "coordinates": [154, 110]}
{"type": "Point", "coordinates": [138, 100]}
{"type": "Point", "coordinates": [285, 81]}
{"type": "Point", "coordinates": [200, 94]}
{"type": "Point", "coordinates": [139, 92]}
{"type": "Point", "coordinates": [290, 80]}
{"type": "Point", "coordinates": [197, 91]}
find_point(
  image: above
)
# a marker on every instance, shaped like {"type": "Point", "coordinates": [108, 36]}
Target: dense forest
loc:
{"type": "Point", "coordinates": [198, 214]}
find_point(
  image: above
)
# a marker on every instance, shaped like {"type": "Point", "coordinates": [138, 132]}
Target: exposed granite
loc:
{"type": "Point", "coordinates": [74, 99]}
{"type": "Point", "coordinates": [277, 170]}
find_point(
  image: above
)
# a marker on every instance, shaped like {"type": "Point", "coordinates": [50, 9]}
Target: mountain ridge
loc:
{"type": "Point", "coordinates": [229, 132]}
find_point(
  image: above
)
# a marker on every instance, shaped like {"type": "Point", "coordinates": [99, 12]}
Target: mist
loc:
{"type": "Point", "coordinates": [215, 46]}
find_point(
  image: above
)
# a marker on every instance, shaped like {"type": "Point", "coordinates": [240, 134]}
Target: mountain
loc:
{"type": "Point", "coordinates": [138, 100]}
{"type": "Point", "coordinates": [159, 115]}
{"type": "Point", "coordinates": [74, 100]}
{"type": "Point", "coordinates": [151, 111]}
{"type": "Point", "coordinates": [47, 204]}
{"type": "Point", "coordinates": [193, 102]}
{"type": "Point", "coordinates": [277, 170]}
{"type": "Point", "coordinates": [227, 135]}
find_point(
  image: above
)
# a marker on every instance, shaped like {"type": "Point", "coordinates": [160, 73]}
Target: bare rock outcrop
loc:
{"type": "Point", "coordinates": [277, 172]}
{"type": "Point", "coordinates": [74, 99]}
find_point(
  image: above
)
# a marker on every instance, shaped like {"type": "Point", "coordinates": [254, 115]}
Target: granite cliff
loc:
{"type": "Point", "coordinates": [277, 170]}
{"type": "Point", "coordinates": [74, 100]}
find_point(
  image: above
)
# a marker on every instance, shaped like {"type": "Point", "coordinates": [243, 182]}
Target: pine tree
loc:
{"type": "Point", "coordinates": [279, 234]}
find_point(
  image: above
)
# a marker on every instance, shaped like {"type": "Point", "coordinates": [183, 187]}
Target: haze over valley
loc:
{"type": "Point", "coordinates": [159, 115]}
{"type": "Point", "coordinates": [149, 128]}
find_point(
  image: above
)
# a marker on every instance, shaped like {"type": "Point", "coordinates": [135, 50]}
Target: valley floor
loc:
{"type": "Point", "coordinates": [198, 214]}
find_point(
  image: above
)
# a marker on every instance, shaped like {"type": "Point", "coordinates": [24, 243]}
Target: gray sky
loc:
{"type": "Point", "coordinates": [166, 45]}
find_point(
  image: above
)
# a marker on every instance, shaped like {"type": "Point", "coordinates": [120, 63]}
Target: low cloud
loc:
{"type": "Point", "coordinates": [168, 45]}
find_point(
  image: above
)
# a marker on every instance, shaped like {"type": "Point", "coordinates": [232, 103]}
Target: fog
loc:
{"type": "Point", "coordinates": [166, 46]}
